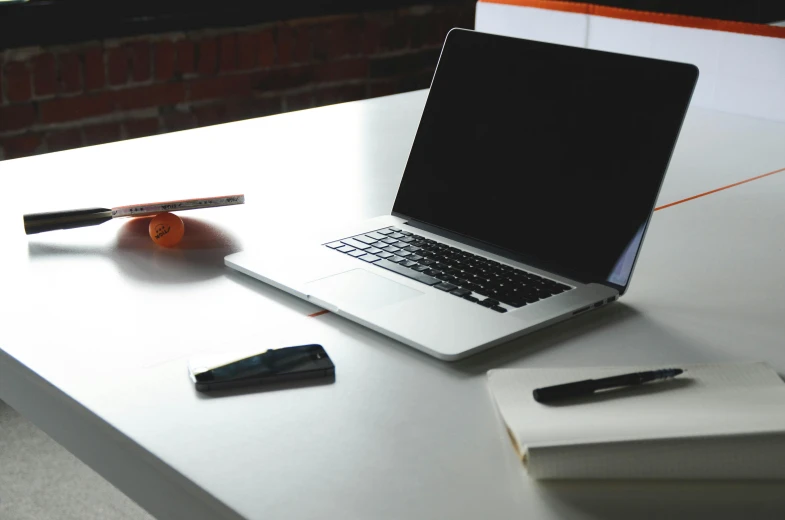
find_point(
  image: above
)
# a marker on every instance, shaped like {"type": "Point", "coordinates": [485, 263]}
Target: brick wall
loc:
{"type": "Point", "coordinates": [60, 97]}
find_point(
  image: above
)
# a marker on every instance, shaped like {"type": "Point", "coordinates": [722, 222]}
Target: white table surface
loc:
{"type": "Point", "coordinates": [97, 326]}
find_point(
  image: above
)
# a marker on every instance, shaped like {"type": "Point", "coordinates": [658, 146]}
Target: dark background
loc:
{"type": "Point", "coordinates": [44, 22]}
{"type": "Point", "coordinates": [85, 72]}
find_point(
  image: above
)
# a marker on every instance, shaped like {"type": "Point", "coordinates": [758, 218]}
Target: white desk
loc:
{"type": "Point", "coordinates": [97, 325]}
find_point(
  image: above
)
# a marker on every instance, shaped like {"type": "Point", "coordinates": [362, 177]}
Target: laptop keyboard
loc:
{"type": "Point", "coordinates": [465, 275]}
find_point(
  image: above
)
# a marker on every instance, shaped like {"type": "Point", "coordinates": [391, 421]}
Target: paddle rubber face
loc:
{"type": "Point", "coordinates": [50, 221]}
{"type": "Point", "coordinates": [154, 208]}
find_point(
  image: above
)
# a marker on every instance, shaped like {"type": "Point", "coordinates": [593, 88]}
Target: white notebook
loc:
{"type": "Point", "coordinates": [712, 422]}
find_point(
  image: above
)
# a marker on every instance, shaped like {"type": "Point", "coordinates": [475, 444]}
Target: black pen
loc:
{"type": "Point", "coordinates": [589, 386]}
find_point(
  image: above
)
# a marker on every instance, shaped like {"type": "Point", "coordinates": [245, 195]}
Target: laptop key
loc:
{"type": "Point", "coordinates": [355, 243]}
{"type": "Point", "coordinates": [497, 294]}
{"type": "Point", "coordinates": [365, 240]}
{"type": "Point", "coordinates": [446, 287]}
{"type": "Point", "coordinates": [370, 258]}
{"type": "Point", "coordinates": [474, 278]}
{"type": "Point", "coordinates": [405, 271]}
{"type": "Point", "coordinates": [335, 245]}
{"type": "Point", "coordinates": [357, 253]}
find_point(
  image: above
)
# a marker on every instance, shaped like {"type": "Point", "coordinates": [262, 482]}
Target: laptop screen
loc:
{"type": "Point", "coordinates": [553, 154]}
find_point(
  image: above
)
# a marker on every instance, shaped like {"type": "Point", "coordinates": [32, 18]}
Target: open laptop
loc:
{"type": "Point", "coordinates": [524, 202]}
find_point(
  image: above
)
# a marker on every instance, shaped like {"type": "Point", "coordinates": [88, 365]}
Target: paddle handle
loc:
{"type": "Point", "coordinates": [50, 221]}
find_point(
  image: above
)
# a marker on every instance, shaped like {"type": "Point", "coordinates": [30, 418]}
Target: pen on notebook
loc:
{"type": "Point", "coordinates": [589, 386]}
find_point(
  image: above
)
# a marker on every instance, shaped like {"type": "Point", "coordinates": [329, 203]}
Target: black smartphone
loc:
{"type": "Point", "coordinates": [281, 365]}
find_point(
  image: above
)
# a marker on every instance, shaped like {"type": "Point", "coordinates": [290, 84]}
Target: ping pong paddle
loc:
{"type": "Point", "coordinates": [40, 222]}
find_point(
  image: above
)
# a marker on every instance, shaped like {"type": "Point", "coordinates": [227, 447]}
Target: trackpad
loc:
{"type": "Point", "coordinates": [359, 288]}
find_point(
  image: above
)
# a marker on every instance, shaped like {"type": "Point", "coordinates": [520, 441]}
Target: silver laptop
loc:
{"type": "Point", "coordinates": [524, 202]}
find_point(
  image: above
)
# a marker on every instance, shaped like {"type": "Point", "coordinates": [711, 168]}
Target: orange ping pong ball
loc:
{"type": "Point", "coordinates": [167, 229]}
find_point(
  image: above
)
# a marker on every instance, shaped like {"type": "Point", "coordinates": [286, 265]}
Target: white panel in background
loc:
{"type": "Point", "coordinates": [612, 35]}
{"type": "Point", "coordinates": [758, 98]}
{"type": "Point", "coordinates": [748, 56]}
{"type": "Point", "coordinates": [752, 76]}
{"type": "Point", "coordinates": [532, 24]}
{"type": "Point", "coordinates": [699, 47]}
{"type": "Point", "coordinates": [739, 73]}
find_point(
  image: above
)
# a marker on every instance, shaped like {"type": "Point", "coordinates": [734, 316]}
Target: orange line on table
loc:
{"type": "Point", "coordinates": [718, 189]}
{"type": "Point", "coordinates": [315, 314]}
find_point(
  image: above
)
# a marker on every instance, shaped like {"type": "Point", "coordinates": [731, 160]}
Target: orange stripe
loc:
{"type": "Point", "coordinates": [315, 314]}
{"type": "Point", "coordinates": [680, 20]}
{"type": "Point", "coordinates": [719, 189]}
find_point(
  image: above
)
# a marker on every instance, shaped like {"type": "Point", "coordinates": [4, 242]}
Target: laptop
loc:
{"type": "Point", "coordinates": [524, 202]}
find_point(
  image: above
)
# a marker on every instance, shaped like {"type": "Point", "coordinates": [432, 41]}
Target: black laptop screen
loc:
{"type": "Point", "coordinates": [555, 154]}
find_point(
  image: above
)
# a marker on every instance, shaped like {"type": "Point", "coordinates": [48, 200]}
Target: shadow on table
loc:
{"type": "Point", "coordinates": [509, 353]}
{"type": "Point", "coordinates": [622, 500]}
{"type": "Point", "coordinates": [269, 292]}
{"type": "Point", "coordinates": [501, 356]}
{"type": "Point", "coordinates": [528, 345]}
{"type": "Point", "coordinates": [198, 257]}
{"type": "Point", "coordinates": [549, 337]}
